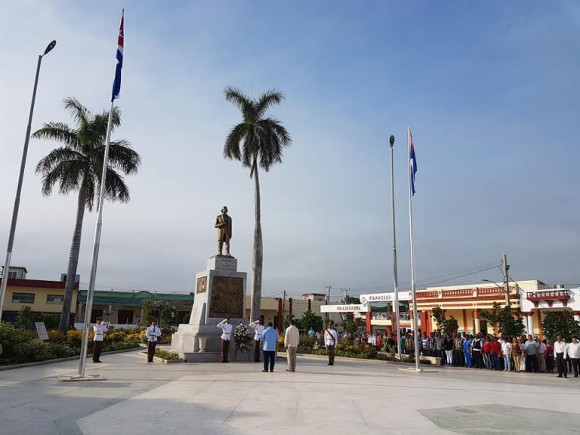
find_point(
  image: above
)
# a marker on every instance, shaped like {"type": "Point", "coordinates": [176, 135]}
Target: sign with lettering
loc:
{"type": "Point", "coordinates": [384, 297]}
{"type": "Point", "coordinates": [41, 329]}
{"type": "Point", "coordinates": [352, 308]}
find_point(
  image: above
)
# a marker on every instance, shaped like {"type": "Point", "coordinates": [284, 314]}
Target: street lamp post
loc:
{"type": "Point", "coordinates": [5, 273]}
{"type": "Point", "coordinates": [396, 282]}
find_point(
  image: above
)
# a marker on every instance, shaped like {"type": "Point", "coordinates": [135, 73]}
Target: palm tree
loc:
{"type": "Point", "coordinates": [257, 141]}
{"type": "Point", "coordinates": [78, 165]}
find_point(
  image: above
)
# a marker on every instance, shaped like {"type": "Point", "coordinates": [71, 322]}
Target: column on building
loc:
{"type": "Point", "coordinates": [528, 322]}
{"type": "Point", "coordinates": [464, 313]}
{"type": "Point", "coordinates": [476, 321]}
{"type": "Point", "coordinates": [540, 330]}
{"type": "Point", "coordinates": [368, 326]}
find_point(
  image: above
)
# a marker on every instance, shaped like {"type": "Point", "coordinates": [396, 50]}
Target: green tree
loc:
{"type": "Point", "coordinates": [24, 318]}
{"type": "Point", "coordinates": [311, 320]}
{"type": "Point", "coordinates": [77, 166]}
{"type": "Point", "coordinates": [560, 324]}
{"type": "Point", "coordinates": [351, 300]}
{"type": "Point", "coordinates": [257, 141]}
{"type": "Point", "coordinates": [168, 316]}
{"type": "Point", "coordinates": [351, 324]}
{"type": "Point", "coordinates": [508, 322]}
{"type": "Point", "coordinates": [148, 310]}
{"type": "Point", "coordinates": [448, 326]}
{"type": "Point", "coordinates": [286, 322]}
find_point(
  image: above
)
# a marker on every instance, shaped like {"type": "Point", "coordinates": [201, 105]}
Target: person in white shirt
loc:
{"type": "Point", "coordinates": [226, 336]}
{"type": "Point", "coordinates": [152, 334]}
{"type": "Point", "coordinates": [258, 327]}
{"type": "Point", "coordinates": [99, 329]}
{"type": "Point", "coordinates": [506, 350]}
{"type": "Point", "coordinates": [291, 341]}
{"type": "Point", "coordinates": [330, 340]}
{"type": "Point", "coordinates": [561, 353]}
{"type": "Point", "coordinates": [574, 355]}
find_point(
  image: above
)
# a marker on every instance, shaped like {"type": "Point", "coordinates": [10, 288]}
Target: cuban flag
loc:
{"type": "Point", "coordinates": [120, 43]}
{"type": "Point", "coordinates": [412, 163]}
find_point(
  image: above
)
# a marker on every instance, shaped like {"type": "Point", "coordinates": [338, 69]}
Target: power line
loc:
{"type": "Point", "coordinates": [427, 281]}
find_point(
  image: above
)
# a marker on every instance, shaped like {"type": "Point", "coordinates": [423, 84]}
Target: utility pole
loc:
{"type": "Point", "coordinates": [506, 268]}
{"type": "Point", "coordinates": [284, 304]}
{"type": "Point", "coordinates": [328, 298]}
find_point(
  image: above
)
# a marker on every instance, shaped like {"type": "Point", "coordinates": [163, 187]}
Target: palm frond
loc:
{"type": "Point", "coordinates": [116, 189]}
{"type": "Point", "coordinates": [79, 112]}
{"type": "Point", "coordinates": [239, 99]}
{"type": "Point", "coordinates": [123, 157]}
{"type": "Point", "coordinates": [59, 132]}
{"type": "Point", "coordinates": [232, 145]}
{"type": "Point", "coordinates": [53, 158]}
{"type": "Point", "coordinates": [273, 96]}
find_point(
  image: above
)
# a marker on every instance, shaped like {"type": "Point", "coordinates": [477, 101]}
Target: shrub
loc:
{"type": "Point", "coordinates": [32, 350]}
{"type": "Point", "coordinates": [119, 345]}
{"type": "Point", "coordinates": [74, 338]}
{"type": "Point", "coordinates": [170, 356]}
{"type": "Point", "coordinates": [306, 345]}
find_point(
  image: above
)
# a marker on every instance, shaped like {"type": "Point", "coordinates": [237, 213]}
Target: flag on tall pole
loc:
{"type": "Point", "coordinates": [412, 171]}
{"type": "Point", "coordinates": [412, 163]}
{"type": "Point", "coordinates": [101, 202]}
{"type": "Point", "coordinates": [120, 43]}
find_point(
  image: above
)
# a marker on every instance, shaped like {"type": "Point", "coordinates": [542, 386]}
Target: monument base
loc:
{"type": "Point", "coordinates": [193, 357]}
{"type": "Point", "coordinates": [220, 292]}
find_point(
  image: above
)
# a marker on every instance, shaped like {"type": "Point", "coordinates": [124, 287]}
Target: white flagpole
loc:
{"type": "Point", "coordinates": [395, 277]}
{"type": "Point", "coordinates": [413, 290]}
{"type": "Point", "coordinates": [96, 246]}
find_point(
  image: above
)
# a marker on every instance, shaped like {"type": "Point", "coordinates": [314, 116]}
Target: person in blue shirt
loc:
{"type": "Point", "coordinates": [269, 343]}
{"type": "Point", "coordinates": [466, 350]}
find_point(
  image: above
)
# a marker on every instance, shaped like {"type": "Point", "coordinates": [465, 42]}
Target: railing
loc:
{"type": "Point", "coordinates": [549, 296]}
{"type": "Point", "coordinates": [458, 292]}
{"type": "Point", "coordinates": [427, 295]}
{"type": "Point", "coordinates": [491, 290]}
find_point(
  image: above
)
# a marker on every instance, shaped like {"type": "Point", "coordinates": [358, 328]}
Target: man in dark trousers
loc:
{"type": "Point", "coordinates": [270, 342]}
{"type": "Point", "coordinates": [153, 333]}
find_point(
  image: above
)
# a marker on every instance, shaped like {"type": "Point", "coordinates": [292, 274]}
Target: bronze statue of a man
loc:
{"type": "Point", "coordinates": [224, 225]}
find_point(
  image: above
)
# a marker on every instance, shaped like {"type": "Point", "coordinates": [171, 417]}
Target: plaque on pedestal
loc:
{"type": "Point", "coordinates": [220, 291]}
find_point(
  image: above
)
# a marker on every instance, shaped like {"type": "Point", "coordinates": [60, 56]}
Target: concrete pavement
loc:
{"type": "Point", "coordinates": [237, 398]}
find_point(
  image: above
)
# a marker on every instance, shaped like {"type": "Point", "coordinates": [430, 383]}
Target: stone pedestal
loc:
{"type": "Point", "coordinates": [220, 291]}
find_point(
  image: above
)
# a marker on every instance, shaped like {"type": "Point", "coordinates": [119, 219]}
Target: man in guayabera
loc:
{"type": "Point", "coordinates": [224, 225]}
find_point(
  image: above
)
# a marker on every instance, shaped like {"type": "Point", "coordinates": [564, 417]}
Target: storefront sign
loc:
{"type": "Point", "coordinates": [352, 308]}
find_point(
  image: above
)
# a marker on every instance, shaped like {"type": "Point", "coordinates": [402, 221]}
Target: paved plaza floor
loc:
{"type": "Point", "coordinates": [351, 397]}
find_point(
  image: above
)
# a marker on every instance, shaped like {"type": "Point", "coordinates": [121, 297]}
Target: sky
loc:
{"type": "Point", "coordinates": [489, 90]}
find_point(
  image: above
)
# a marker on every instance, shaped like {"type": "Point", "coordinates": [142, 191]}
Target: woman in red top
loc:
{"type": "Point", "coordinates": [496, 351]}
{"type": "Point", "coordinates": [486, 351]}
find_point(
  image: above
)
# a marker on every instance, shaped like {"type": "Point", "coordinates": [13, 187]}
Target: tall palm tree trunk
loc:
{"type": "Point", "coordinates": [73, 262]}
{"type": "Point", "coordinates": [258, 253]}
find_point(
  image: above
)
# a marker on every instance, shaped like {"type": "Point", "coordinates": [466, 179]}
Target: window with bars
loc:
{"type": "Point", "coordinates": [23, 298]}
{"type": "Point", "coordinates": [54, 299]}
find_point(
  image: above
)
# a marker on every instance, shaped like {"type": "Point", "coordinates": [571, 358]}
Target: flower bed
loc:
{"type": "Point", "coordinates": [23, 346]}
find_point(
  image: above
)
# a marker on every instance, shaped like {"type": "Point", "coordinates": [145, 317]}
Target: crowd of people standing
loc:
{"type": "Point", "coordinates": [517, 354]}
